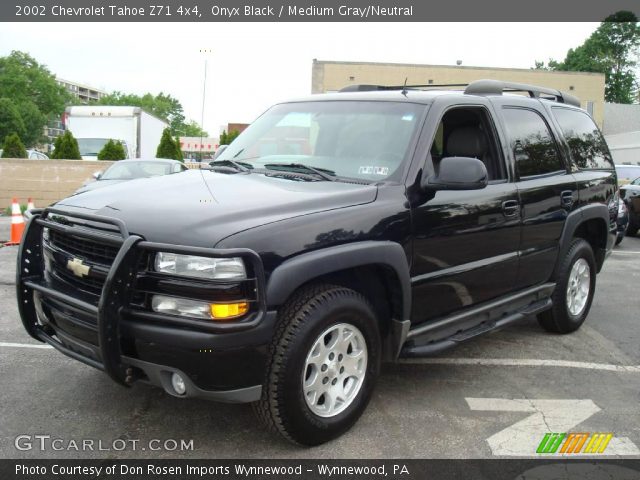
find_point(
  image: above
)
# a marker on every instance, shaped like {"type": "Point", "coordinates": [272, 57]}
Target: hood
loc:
{"type": "Point", "coordinates": [200, 208]}
{"type": "Point", "coordinates": [98, 184]}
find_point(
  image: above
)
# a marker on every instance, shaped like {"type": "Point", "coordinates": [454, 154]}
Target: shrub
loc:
{"type": "Point", "coordinates": [66, 147]}
{"type": "Point", "coordinates": [167, 147]}
{"type": "Point", "coordinates": [13, 147]}
{"type": "Point", "coordinates": [112, 150]}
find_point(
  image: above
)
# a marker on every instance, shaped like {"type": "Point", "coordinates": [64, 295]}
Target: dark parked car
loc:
{"type": "Point", "coordinates": [630, 194]}
{"type": "Point", "coordinates": [125, 170]}
{"type": "Point", "coordinates": [336, 232]}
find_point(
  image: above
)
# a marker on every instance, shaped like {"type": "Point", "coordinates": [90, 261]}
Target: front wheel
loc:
{"type": "Point", "coordinates": [325, 358]}
{"type": "Point", "coordinates": [572, 297]}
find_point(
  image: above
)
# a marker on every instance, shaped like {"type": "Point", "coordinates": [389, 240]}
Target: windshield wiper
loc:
{"type": "Point", "coordinates": [241, 166]}
{"type": "Point", "coordinates": [324, 173]}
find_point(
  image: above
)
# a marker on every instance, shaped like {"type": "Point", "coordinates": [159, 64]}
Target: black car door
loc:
{"type": "Point", "coordinates": [547, 190]}
{"type": "Point", "coordinates": [465, 248]}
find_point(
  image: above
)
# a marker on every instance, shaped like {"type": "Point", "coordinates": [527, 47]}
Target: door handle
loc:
{"type": "Point", "coordinates": [510, 208]}
{"type": "Point", "coordinates": [566, 198]}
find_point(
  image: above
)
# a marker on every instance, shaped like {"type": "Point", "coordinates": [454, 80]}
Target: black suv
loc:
{"type": "Point", "coordinates": [338, 231]}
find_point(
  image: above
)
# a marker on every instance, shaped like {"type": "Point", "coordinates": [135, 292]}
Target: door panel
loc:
{"type": "Point", "coordinates": [465, 249]}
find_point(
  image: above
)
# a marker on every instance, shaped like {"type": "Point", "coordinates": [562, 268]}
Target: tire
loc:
{"type": "Point", "coordinates": [308, 325]}
{"type": "Point", "coordinates": [566, 316]}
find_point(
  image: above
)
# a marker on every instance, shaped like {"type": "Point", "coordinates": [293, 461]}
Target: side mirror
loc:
{"type": "Point", "coordinates": [221, 149]}
{"type": "Point", "coordinates": [97, 175]}
{"type": "Point", "coordinates": [458, 173]}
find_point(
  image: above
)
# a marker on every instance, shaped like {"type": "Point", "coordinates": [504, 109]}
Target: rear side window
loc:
{"type": "Point", "coordinates": [588, 148]}
{"type": "Point", "coordinates": [534, 148]}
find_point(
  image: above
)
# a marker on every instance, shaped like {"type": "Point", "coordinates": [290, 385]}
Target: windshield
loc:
{"type": "Point", "coordinates": [91, 146]}
{"type": "Point", "coordinates": [144, 169]}
{"type": "Point", "coordinates": [365, 140]}
{"type": "Point", "coordinates": [627, 174]}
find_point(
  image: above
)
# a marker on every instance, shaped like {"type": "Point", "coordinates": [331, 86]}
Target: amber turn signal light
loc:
{"type": "Point", "coordinates": [226, 311]}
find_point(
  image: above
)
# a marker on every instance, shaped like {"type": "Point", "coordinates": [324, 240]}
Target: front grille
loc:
{"type": "Point", "coordinates": [91, 285]}
{"type": "Point", "coordinates": [86, 249]}
{"type": "Point", "coordinates": [98, 256]}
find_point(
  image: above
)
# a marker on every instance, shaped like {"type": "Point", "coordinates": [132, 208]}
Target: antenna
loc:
{"type": "Point", "coordinates": [404, 87]}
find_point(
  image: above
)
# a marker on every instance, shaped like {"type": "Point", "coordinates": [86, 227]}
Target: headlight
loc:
{"type": "Point", "coordinates": [200, 267]}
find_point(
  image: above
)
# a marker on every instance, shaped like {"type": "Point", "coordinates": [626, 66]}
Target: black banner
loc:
{"type": "Point", "coordinates": [521, 469]}
{"type": "Point", "coordinates": [307, 10]}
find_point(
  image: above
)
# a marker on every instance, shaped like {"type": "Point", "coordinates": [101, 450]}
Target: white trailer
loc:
{"type": "Point", "coordinates": [93, 126]}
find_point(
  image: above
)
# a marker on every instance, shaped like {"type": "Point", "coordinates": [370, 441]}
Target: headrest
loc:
{"type": "Point", "coordinates": [466, 142]}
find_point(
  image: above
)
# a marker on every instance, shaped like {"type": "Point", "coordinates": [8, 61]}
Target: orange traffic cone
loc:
{"type": "Point", "coordinates": [30, 204]}
{"type": "Point", "coordinates": [17, 223]}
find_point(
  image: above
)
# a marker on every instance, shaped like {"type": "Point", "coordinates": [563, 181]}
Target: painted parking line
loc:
{"type": "Point", "coordinates": [625, 252]}
{"type": "Point", "coordinates": [23, 345]}
{"type": "Point", "coordinates": [524, 362]}
{"type": "Point", "coordinates": [544, 416]}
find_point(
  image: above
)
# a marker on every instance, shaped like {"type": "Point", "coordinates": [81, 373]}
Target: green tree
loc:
{"type": "Point", "coordinates": [66, 147]}
{"type": "Point", "coordinates": [10, 119]}
{"type": "Point", "coordinates": [34, 121]}
{"type": "Point", "coordinates": [34, 92]}
{"type": "Point", "coordinates": [112, 150]}
{"type": "Point", "coordinates": [161, 105]}
{"type": "Point", "coordinates": [227, 138]}
{"type": "Point", "coordinates": [611, 49]}
{"type": "Point", "coordinates": [13, 147]}
{"type": "Point", "coordinates": [192, 129]}
{"type": "Point", "coordinates": [179, 155]}
{"type": "Point", "coordinates": [167, 147]}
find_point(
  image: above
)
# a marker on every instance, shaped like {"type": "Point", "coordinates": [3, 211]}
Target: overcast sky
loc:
{"type": "Point", "coordinates": [253, 65]}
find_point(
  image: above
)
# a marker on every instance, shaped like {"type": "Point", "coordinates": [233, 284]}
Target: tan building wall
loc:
{"type": "Point", "coordinates": [45, 181]}
{"type": "Point", "coordinates": [330, 76]}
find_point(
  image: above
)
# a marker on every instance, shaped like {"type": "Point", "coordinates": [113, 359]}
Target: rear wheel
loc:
{"type": "Point", "coordinates": [325, 358]}
{"type": "Point", "coordinates": [572, 297]}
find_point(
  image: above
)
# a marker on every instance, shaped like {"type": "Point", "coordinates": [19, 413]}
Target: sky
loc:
{"type": "Point", "coordinates": [254, 65]}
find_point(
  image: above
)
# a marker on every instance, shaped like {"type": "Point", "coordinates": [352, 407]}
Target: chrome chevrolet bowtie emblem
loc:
{"type": "Point", "coordinates": [78, 268]}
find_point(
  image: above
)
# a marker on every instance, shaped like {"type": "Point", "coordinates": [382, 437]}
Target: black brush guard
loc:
{"type": "Point", "coordinates": [117, 290]}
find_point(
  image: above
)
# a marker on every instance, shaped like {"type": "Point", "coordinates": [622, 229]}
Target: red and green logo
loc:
{"type": "Point", "coordinates": [589, 443]}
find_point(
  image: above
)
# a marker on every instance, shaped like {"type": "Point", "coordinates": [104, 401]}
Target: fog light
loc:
{"type": "Point", "coordinates": [221, 311]}
{"type": "Point", "coordinates": [177, 382]}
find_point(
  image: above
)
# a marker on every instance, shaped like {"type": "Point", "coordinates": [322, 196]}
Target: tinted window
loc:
{"type": "Point", "coordinates": [533, 146]}
{"type": "Point", "coordinates": [588, 148]}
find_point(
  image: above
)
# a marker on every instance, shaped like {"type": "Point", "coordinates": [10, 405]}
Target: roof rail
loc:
{"type": "Point", "coordinates": [374, 88]}
{"type": "Point", "coordinates": [496, 87]}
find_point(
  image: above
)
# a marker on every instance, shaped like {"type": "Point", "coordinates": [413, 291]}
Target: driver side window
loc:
{"type": "Point", "coordinates": [468, 132]}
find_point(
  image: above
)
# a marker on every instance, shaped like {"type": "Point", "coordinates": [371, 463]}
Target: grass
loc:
{"type": "Point", "coordinates": [7, 211]}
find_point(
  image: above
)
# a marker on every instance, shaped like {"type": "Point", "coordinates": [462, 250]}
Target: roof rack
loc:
{"type": "Point", "coordinates": [496, 87]}
{"type": "Point", "coordinates": [479, 87]}
{"type": "Point", "coordinates": [377, 88]}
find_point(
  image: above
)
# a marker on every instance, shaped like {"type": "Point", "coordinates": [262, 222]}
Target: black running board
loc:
{"type": "Point", "coordinates": [537, 305]}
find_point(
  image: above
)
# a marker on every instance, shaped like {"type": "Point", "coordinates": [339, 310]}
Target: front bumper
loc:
{"type": "Point", "coordinates": [218, 361]}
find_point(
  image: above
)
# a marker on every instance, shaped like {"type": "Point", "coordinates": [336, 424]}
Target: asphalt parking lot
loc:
{"type": "Point", "coordinates": [494, 396]}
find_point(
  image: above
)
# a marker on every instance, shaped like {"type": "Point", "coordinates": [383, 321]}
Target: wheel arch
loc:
{"type": "Point", "coordinates": [590, 223]}
{"type": "Point", "coordinates": [378, 270]}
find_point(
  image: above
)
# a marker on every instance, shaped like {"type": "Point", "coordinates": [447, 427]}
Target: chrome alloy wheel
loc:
{"type": "Point", "coordinates": [335, 370]}
{"type": "Point", "coordinates": [578, 287]}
